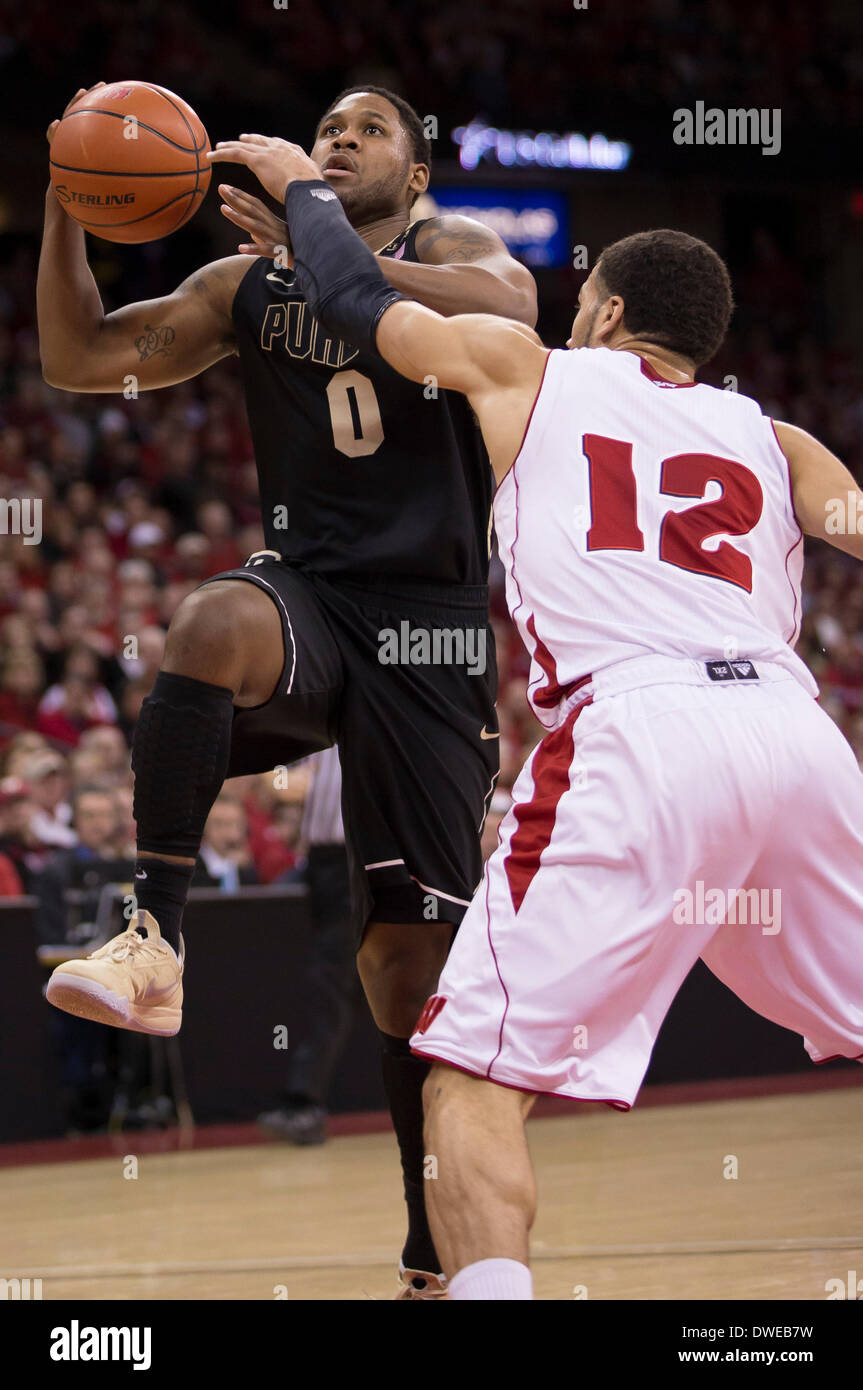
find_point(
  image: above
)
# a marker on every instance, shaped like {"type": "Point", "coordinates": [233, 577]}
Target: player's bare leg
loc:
{"type": "Point", "coordinates": [483, 1201]}
{"type": "Point", "coordinates": [224, 648]}
{"type": "Point", "coordinates": [399, 965]}
{"type": "Point", "coordinates": [228, 633]}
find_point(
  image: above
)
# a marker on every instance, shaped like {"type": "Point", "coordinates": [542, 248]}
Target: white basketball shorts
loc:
{"type": "Point", "coordinates": [670, 818]}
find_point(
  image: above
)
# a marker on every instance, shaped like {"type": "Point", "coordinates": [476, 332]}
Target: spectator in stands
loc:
{"type": "Point", "coordinates": [107, 745]}
{"type": "Point", "coordinates": [225, 860]}
{"type": "Point", "coordinates": [216, 524]}
{"type": "Point", "coordinates": [35, 609]}
{"type": "Point", "coordinates": [132, 697]}
{"type": "Point", "coordinates": [18, 841]}
{"type": "Point", "coordinates": [125, 839]}
{"type": "Point", "coordinates": [191, 559]}
{"type": "Point", "coordinates": [274, 814]}
{"type": "Point", "coordinates": [10, 881]}
{"type": "Point", "coordinates": [45, 773]}
{"type": "Point", "coordinates": [89, 865]}
{"type": "Point", "coordinates": [20, 748]}
{"type": "Point", "coordinates": [87, 768]}
{"type": "Point", "coordinates": [21, 682]}
{"type": "Point", "coordinates": [78, 701]}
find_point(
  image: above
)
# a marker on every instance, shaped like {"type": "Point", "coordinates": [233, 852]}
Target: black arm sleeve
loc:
{"type": "Point", "coordinates": [338, 274]}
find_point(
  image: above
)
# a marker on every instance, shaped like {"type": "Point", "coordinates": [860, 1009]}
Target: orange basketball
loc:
{"type": "Point", "coordinates": [127, 162]}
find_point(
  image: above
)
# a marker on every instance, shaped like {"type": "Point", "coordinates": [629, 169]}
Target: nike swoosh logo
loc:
{"type": "Point", "coordinates": [149, 994]}
{"type": "Point", "coordinates": [483, 733]}
{"type": "Point", "coordinates": [287, 283]}
{"type": "Point", "coordinates": [141, 874]}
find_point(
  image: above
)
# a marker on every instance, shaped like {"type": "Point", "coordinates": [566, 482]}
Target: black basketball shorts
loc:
{"type": "Point", "coordinates": [405, 683]}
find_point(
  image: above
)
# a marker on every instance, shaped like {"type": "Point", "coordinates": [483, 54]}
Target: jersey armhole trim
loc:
{"type": "Point", "coordinates": [795, 624]}
{"type": "Point", "coordinates": [529, 422]}
{"type": "Point", "coordinates": [254, 261]}
{"type": "Point", "coordinates": [788, 470]}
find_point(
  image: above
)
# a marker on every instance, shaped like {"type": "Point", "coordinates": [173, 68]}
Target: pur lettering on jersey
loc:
{"type": "Point", "coordinates": [299, 332]}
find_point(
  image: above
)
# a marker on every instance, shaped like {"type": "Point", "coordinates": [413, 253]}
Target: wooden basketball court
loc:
{"type": "Point", "coordinates": [631, 1206]}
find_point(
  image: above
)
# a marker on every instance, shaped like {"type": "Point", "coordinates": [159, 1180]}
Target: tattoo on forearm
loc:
{"type": "Point", "coordinates": [154, 342]}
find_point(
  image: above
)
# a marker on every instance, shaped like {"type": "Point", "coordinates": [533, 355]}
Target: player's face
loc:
{"type": "Point", "coordinates": [584, 323]}
{"type": "Point", "coordinates": [365, 156]}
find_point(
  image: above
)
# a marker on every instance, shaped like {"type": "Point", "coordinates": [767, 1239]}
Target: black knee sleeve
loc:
{"type": "Point", "coordinates": [404, 1075]}
{"type": "Point", "coordinates": [180, 757]}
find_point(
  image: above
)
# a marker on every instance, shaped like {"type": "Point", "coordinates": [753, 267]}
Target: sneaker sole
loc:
{"type": "Point", "coordinates": [88, 999]}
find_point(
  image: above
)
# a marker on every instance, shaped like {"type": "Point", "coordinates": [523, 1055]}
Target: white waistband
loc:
{"type": "Point", "coordinates": [640, 671]}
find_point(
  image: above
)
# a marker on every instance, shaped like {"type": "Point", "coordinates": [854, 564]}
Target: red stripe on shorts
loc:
{"type": "Point", "coordinates": [550, 695]}
{"type": "Point", "coordinates": [535, 818]}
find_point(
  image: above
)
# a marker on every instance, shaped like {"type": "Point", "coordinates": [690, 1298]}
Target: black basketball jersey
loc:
{"type": "Point", "coordinates": [363, 474]}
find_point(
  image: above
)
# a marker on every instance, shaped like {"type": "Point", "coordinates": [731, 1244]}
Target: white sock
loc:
{"type": "Point", "coordinates": [499, 1279]}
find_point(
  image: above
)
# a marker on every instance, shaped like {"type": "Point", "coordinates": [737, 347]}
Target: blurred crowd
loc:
{"type": "Point", "coordinates": [535, 62]}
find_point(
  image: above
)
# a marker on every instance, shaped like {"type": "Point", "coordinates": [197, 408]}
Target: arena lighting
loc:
{"type": "Point", "coordinates": [516, 149]}
{"type": "Point", "coordinates": [532, 223]}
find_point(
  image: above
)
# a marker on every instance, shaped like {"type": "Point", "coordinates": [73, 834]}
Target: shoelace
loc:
{"type": "Point", "coordinates": [130, 944]}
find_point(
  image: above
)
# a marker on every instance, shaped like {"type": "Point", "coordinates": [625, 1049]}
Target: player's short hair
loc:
{"type": "Point", "coordinates": [676, 290]}
{"type": "Point", "coordinates": [411, 124]}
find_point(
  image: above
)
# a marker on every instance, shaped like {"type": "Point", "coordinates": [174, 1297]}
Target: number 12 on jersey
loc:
{"type": "Point", "coordinates": [614, 508]}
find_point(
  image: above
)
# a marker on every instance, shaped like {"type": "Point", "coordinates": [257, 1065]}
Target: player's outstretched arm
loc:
{"type": "Point", "coordinates": [466, 269]}
{"type": "Point", "coordinates": [158, 341]}
{"type": "Point", "coordinates": [827, 500]}
{"type": "Point", "coordinates": [497, 363]}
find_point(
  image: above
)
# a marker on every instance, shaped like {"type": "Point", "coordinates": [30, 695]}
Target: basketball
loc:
{"type": "Point", "coordinates": [127, 162]}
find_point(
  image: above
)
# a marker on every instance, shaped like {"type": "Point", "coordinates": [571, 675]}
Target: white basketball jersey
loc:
{"type": "Point", "coordinates": [643, 517]}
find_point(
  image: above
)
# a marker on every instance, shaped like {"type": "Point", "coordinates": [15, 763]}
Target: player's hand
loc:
{"type": "Point", "coordinates": [52, 131]}
{"type": "Point", "coordinates": [276, 163]}
{"type": "Point", "coordinates": [81, 92]}
{"type": "Point", "coordinates": [268, 232]}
